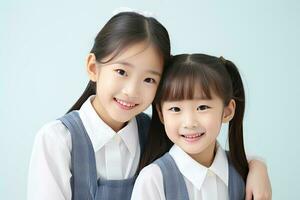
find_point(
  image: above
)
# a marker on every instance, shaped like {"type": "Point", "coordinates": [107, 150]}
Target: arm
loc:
{"type": "Point", "coordinates": [49, 171]}
{"type": "Point", "coordinates": [149, 184]}
{"type": "Point", "coordinates": [258, 184]}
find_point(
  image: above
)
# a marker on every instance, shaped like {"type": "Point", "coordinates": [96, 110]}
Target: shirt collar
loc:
{"type": "Point", "coordinates": [220, 164]}
{"type": "Point", "coordinates": [130, 136]}
{"type": "Point", "coordinates": [194, 171]}
{"type": "Point", "coordinates": [100, 133]}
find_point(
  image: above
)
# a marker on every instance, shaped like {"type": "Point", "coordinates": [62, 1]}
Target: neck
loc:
{"type": "Point", "coordinates": [115, 125]}
{"type": "Point", "coordinates": [206, 157]}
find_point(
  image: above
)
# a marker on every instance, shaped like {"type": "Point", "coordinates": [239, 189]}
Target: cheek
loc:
{"type": "Point", "coordinates": [102, 86]}
{"type": "Point", "coordinates": [171, 133]}
{"type": "Point", "coordinates": [213, 124]}
{"type": "Point", "coordinates": [148, 93]}
{"type": "Point", "coordinates": [171, 126]}
{"type": "Point", "coordinates": [107, 82]}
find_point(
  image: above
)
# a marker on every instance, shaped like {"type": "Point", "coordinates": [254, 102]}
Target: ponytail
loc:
{"type": "Point", "coordinates": [89, 90]}
{"type": "Point", "coordinates": [236, 144]}
{"type": "Point", "coordinates": [157, 143]}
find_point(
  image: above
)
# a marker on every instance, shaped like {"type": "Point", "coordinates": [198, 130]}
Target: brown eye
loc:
{"type": "Point", "coordinates": [175, 109]}
{"type": "Point", "coordinates": [203, 107]}
{"type": "Point", "coordinates": [121, 72]}
{"type": "Point", "coordinates": [150, 80]}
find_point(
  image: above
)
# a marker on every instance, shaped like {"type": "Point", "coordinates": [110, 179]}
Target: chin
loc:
{"type": "Point", "coordinates": [121, 118]}
{"type": "Point", "coordinates": [193, 151]}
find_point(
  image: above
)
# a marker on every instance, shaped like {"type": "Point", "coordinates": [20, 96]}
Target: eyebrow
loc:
{"type": "Point", "coordinates": [131, 65]}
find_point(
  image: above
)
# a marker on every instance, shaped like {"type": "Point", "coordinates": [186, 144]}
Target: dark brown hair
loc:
{"type": "Point", "coordinates": [186, 73]}
{"type": "Point", "coordinates": [119, 32]}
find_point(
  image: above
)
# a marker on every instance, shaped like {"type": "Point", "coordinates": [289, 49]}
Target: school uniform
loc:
{"type": "Point", "coordinates": [177, 176]}
{"type": "Point", "coordinates": [81, 152]}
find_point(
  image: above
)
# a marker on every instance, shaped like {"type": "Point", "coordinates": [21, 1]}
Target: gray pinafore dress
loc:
{"type": "Point", "coordinates": [175, 187]}
{"type": "Point", "coordinates": [84, 182]}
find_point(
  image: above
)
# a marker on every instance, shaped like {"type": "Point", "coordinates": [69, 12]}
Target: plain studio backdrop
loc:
{"type": "Point", "coordinates": [43, 46]}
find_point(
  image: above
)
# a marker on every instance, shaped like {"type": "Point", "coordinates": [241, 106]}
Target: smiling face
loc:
{"type": "Point", "coordinates": [127, 84]}
{"type": "Point", "coordinates": [194, 125]}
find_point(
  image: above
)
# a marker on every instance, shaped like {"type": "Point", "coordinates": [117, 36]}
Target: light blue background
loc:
{"type": "Point", "coordinates": [43, 45]}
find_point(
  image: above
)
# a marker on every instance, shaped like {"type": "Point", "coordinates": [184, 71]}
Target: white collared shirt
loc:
{"type": "Point", "coordinates": [202, 183]}
{"type": "Point", "coordinates": [117, 155]}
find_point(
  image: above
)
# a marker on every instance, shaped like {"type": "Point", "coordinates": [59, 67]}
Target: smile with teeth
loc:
{"type": "Point", "coordinates": [125, 104]}
{"type": "Point", "coordinates": [193, 135]}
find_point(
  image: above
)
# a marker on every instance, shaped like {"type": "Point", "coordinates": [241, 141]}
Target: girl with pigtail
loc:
{"type": "Point", "coordinates": [93, 152]}
{"type": "Point", "coordinates": [197, 94]}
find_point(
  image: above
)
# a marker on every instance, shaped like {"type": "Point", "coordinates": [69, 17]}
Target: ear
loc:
{"type": "Point", "coordinates": [160, 115]}
{"type": "Point", "coordinates": [229, 111]}
{"type": "Point", "coordinates": [91, 67]}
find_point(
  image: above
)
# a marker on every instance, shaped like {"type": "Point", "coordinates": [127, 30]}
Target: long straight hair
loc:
{"type": "Point", "coordinates": [206, 74]}
{"type": "Point", "coordinates": [122, 30]}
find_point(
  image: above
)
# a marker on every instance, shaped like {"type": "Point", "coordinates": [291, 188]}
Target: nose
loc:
{"type": "Point", "coordinates": [131, 89]}
{"type": "Point", "coordinates": [190, 121]}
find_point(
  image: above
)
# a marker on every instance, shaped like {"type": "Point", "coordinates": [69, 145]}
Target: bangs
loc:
{"type": "Point", "coordinates": [190, 81]}
{"type": "Point", "coordinates": [118, 48]}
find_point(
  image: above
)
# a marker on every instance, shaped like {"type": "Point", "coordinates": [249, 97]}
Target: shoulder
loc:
{"type": "Point", "coordinates": [53, 134]}
{"type": "Point", "coordinates": [149, 184]}
{"type": "Point", "coordinates": [50, 163]}
{"type": "Point", "coordinates": [150, 176]}
{"type": "Point", "coordinates": [150, 172]}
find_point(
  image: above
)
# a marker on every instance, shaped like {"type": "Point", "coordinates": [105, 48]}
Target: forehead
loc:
{"type": "Point", "coordinates": [214, 101]}
{"type": "Point", "coordinates": [141, 55]}
{"type": "Point", "coordinates": [198, 94]}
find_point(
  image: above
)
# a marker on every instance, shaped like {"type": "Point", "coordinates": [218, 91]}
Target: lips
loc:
{"type": "Point", "coordinates": [125, 104]}
{"type": "Point", "coordinates": [192, 137]}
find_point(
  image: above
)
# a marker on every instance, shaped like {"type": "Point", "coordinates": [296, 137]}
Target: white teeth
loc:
{"type": "Point", "coordinates": [124, 103]}
{"type": "Point", "coordinates": [193, 136]}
